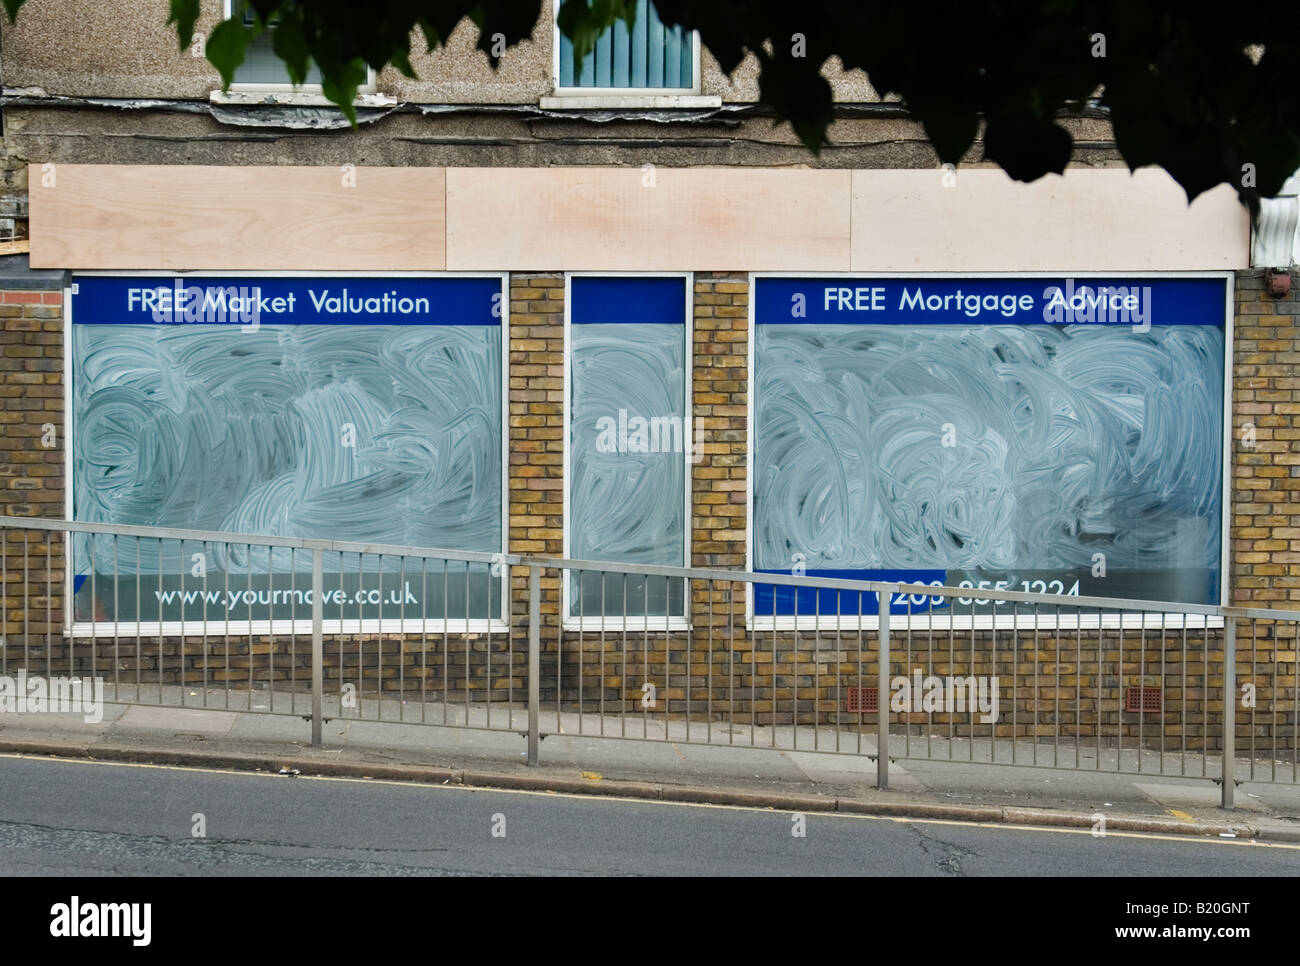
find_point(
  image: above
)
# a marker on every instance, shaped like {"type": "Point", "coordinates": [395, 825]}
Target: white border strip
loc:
{"type": "Point", "coordinates": [1042, 620]}
{"type": "Point", "coordinates": [129, 630]}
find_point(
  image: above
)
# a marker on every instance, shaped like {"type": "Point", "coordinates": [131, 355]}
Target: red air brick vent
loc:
{"type": "Point", "coordinates": [1142, 699]}
{"type": "Point", "coordinates": [863, 700]}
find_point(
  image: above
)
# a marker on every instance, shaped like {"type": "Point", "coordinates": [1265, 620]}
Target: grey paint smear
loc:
{"type": "Point", "coordinates": [627, 507]}
{"type": "Point", "coordinates": [220, 429]}
{"type": "Point", "coordinates": [1068, 441]}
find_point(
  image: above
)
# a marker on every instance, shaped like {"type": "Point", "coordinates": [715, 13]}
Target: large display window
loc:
{"type": "Point", "coordinates": [360, 408]}
{"type": "Point", "coordinates": [1038, 434]}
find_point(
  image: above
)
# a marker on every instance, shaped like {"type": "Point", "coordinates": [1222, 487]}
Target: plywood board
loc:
{"type": "Point", "coordinates": [662, 219]}
{"type": "Point", "coordinates": [1086, 220]}
{"type": "Point", "coordinates": [184, 217]}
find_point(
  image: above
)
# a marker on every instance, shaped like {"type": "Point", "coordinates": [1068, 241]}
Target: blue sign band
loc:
{"type": "Point", "coordinates": [1115, 301]}
{"type": "Point", "coordinates": [314, 300]}
{"type": "Point", "coordinates": [627, 299]}
{"type": "Point", "coordinates": [787, 601]}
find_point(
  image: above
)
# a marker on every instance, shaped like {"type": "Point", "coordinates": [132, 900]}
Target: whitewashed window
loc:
{"type": "Point", "coordinates": [628, 434]}
{"type": "Point", "coordinates": [363, 409]}
{"type": "Point", "coordinates": [968, 432]}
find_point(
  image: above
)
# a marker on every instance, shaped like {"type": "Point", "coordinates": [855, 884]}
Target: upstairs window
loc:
{"type": "Point", "coordinates": [262, 70]}
{"type": "Point", "coordinates": [261, 66]}
{"type": "Point", "coordinates": [651, 57]}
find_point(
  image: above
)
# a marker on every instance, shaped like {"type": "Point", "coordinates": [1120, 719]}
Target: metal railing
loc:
{"type": "Point", "coordinates": [913, 671]}
{"type": "Point", "coordinates": [189, 618]}
{"type": "Point", "coordinates": [892, 671]}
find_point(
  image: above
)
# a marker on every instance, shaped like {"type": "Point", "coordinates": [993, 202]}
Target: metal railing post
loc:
{"type": "Point", "coordinates": [882, 693]}
{"type": "Point", "coordinates": [1229, 709]}
{"type": "Point", "coordinates": [317, 645]}
{"type": "Point", "coordinates": [534, 660]}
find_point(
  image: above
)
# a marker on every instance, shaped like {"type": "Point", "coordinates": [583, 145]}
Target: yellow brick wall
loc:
{"type": "Point", "coordinates": [718, 666]}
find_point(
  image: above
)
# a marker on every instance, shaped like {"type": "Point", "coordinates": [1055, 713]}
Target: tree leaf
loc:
{"type": "Point", "coordinates": [340, 86]}
{"type": "Point", "coordinates": [225, 48]}
{"type": "Point", "coordinates": [401, 59]}
{"type": "Point", "coordinates": [1027, 147]}
{"type": "Point", "coordinates": [1179, 87]}
{"type": "Point", "coordinates": [184, 14]}
{"type": "Point", "coordinates": [951, 133]}
{"type": "Point", "coordinates": [798, 93]}
{"type": "Point", "coordinates": [290, 45]}
{"type": "Point", "coordinates": [432, 39]}
{"type": "Point", "coordinates": [583, 24]}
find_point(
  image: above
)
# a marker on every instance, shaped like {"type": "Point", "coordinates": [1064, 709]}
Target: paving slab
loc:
{"type": "Point", "coordinates": [1200, 795]}
{"type": "Point", "coordinates": [178, 720]}
{"type": "Point", "coordinates": [62, 721]}
{"type": "Point", "coordinates": [271, 727]}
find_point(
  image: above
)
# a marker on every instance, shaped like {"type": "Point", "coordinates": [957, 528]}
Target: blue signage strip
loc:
{"type": "Point", "coordinates": [297, 300]}
{"type": "Point", "coordinates": [627, 299]}
{"type": "Point", "coordinates": [1119, 301]}
{"type": "Point", "coordinates": [787, 601]}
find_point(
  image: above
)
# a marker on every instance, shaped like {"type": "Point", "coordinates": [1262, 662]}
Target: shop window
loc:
{"type": "Point", "coordinates": [1043, 435]}
{"type": "Point", "coordinates": [364, 409]}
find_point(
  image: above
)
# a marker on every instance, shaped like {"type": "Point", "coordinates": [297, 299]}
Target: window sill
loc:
{"type": "Point", "coordinates": [284, 98]}
{"type": "Point", "coordinates": [1049, 621]}
{"type": "Point", "coordinates": [589, 102]}
{"type": "Point", "coordinates": [620, 625]}
{"type": "Point", "coordinates": [280, 626]}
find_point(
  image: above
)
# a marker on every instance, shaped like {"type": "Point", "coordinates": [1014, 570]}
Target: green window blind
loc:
{"type": "Point", "coordinates": [649, 55]}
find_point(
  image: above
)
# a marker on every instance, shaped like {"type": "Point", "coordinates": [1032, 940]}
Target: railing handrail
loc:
{"type": "Point", "coordinates": [653, 570]}
{"type": "Point", "coordinates": [877, 586]}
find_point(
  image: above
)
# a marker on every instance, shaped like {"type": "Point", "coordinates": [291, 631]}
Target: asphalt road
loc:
{"type": "Point", "coordinates": [61, 817]}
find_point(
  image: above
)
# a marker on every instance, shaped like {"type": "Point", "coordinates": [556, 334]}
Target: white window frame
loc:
{"type": "Point", "coordinates": [578, 98]}
{"type": "Point", "coordinates": [495, 624]}
{"type": "Point", "coordinates": [1109, 620]}
{"type": "Point", "coordinates": [243, 92]}
{"type": "Point", "coordinates": [672, 622]}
